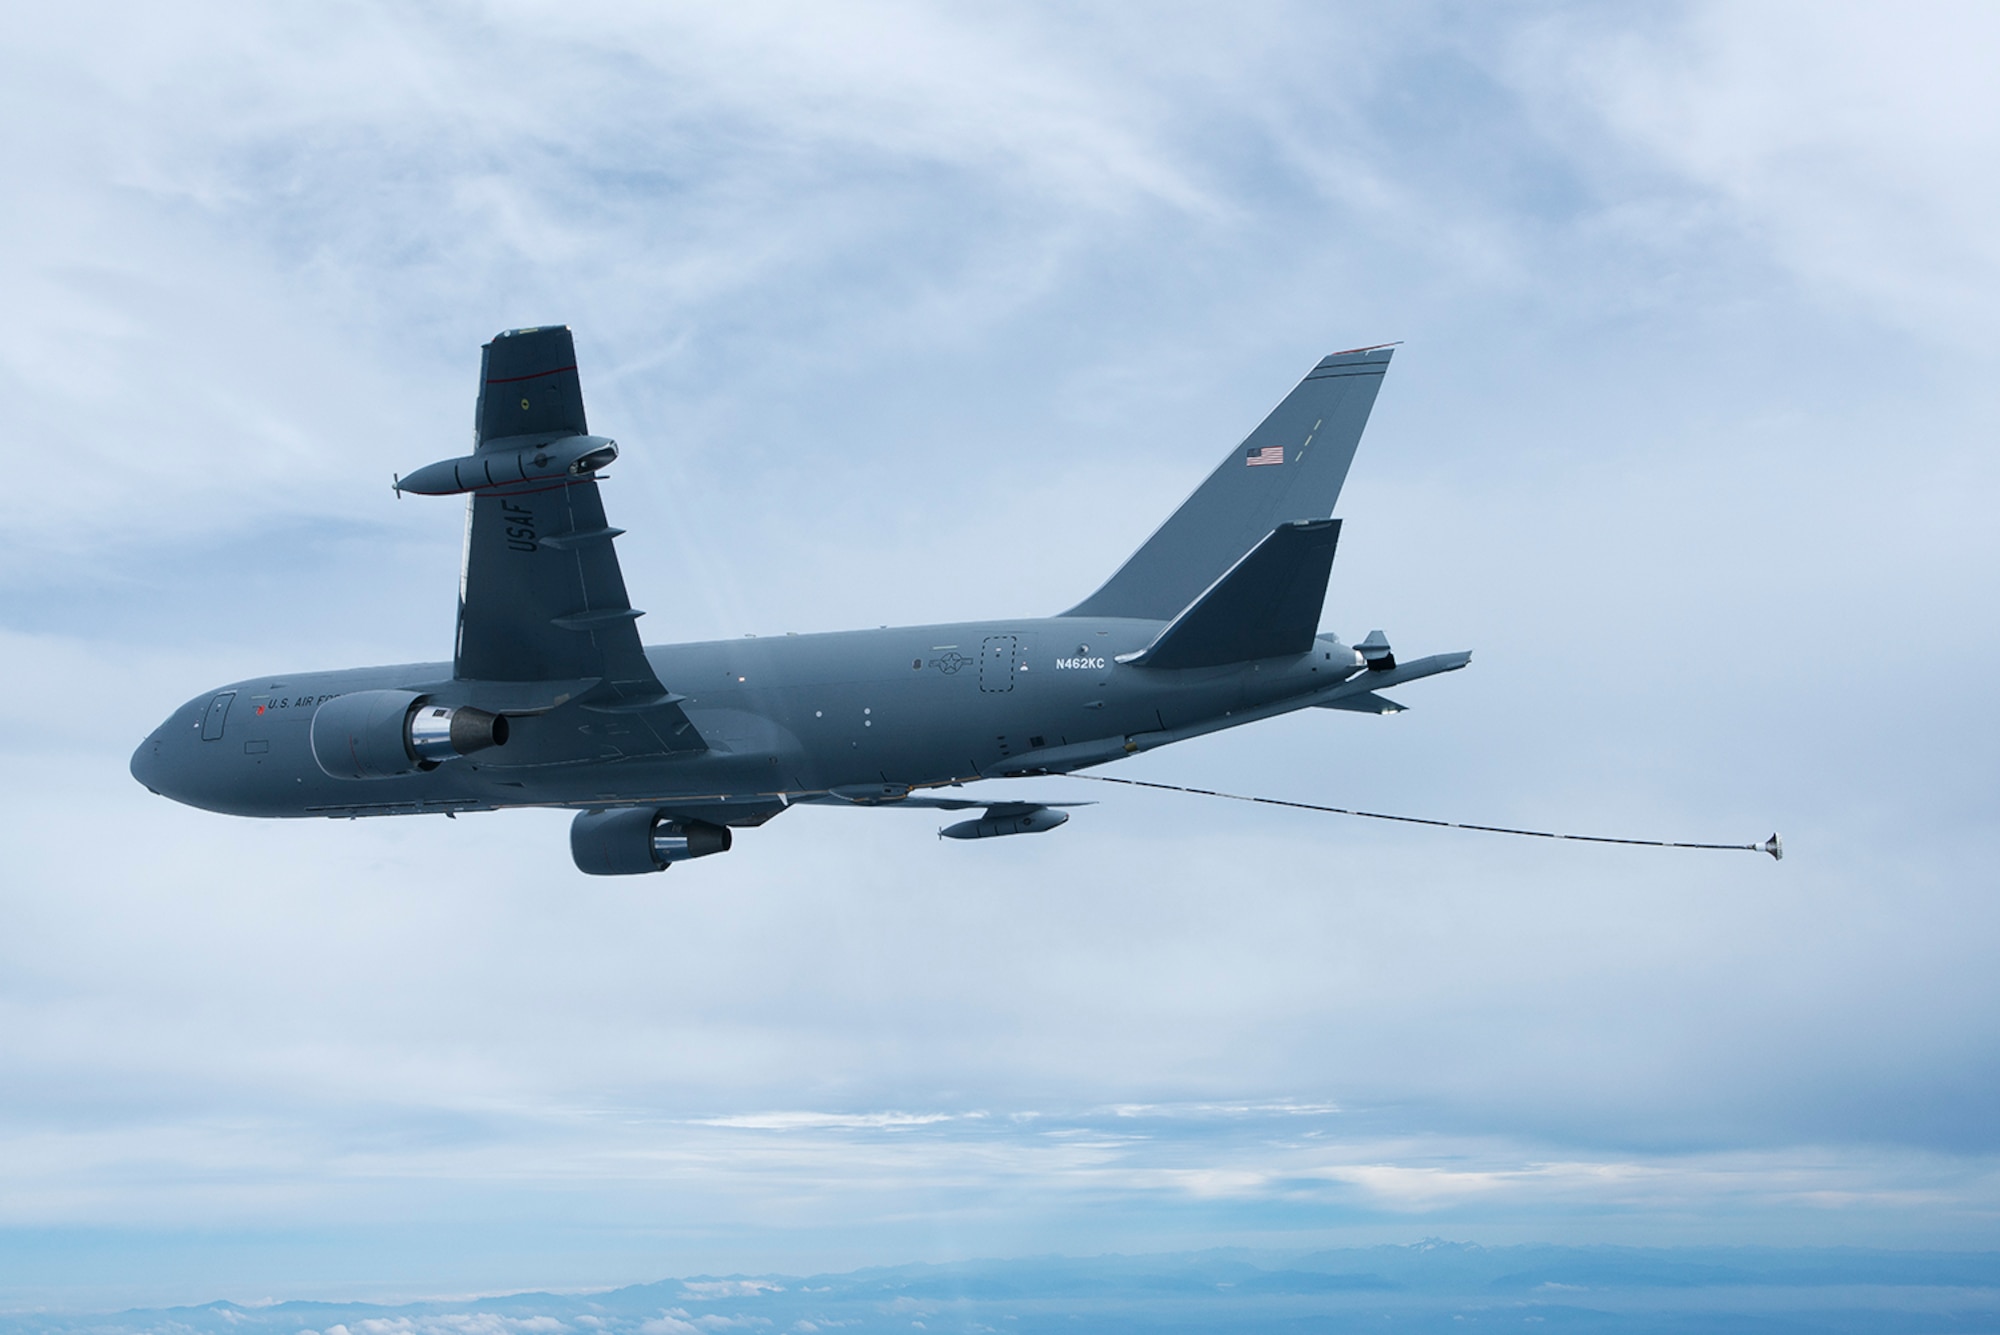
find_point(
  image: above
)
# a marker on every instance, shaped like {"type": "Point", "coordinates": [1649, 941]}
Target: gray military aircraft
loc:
{"type": "Point", "coordinates": [551, 700]}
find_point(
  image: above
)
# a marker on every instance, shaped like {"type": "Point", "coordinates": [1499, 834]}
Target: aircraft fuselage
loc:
{"type": "Point", "coordinates": [853, 713]}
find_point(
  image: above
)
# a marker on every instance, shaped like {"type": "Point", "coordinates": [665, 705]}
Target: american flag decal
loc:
{"type": "Point", "coordinates": [1270, 454]}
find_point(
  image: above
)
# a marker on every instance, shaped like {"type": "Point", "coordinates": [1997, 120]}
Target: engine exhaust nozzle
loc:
{"type": "Point", "coordinates": [438, 732]}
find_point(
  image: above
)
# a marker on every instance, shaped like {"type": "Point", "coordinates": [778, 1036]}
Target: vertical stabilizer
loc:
{"type": "Point", "coordinates": [1290, 468]}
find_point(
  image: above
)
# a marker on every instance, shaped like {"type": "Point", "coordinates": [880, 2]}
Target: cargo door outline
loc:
{"type": "Point", "coordinates": [998, 659]}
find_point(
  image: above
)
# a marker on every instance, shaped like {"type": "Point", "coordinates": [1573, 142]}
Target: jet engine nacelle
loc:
{"type": "Point", "coordinates": [383, 734]}
{"type": "Point", "coordinates": [635, 840]}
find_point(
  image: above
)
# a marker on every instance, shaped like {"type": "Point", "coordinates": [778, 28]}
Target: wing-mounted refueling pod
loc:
{"type": "Point", "coordinates": [1003, 818]}
{"type": "Point", "coordinates": [999, 818]}
{"type": "Point", "coordinates": [501, 470]}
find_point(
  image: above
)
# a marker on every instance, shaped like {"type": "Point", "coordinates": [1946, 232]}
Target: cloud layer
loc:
{"type": "Point", "coordinates": [912, 314]}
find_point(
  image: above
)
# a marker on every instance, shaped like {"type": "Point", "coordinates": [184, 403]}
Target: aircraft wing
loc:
{"type": "Point", "coordinates": [541, 598]}
{"type": "Point", "coordinates": [836, 799]}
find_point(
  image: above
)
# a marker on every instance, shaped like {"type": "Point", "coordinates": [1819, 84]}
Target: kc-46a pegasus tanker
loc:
{"type": "Point", "coordinates": [550, 699]}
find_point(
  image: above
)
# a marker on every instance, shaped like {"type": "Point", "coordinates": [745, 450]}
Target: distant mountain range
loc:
{"type": "Point", "coordinates": [1430, 1286]}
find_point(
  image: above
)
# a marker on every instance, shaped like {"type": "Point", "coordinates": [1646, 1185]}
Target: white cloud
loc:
{"type": "Point", "coordinates": [669, 1323]}
{"type": "Point", "coordinates": [793, 1121]}
{"type": "Point", "coordinates": [911, 313]}
{"type": "Point", "coordinates": [1854, 146]}
{"type": "Point", "coordinates": [710, 1289]}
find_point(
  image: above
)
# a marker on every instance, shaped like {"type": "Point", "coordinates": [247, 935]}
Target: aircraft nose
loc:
{"type": "Point", "coordinates": [147, 766]}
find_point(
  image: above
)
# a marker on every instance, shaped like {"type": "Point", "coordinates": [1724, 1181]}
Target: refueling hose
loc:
{"type": "Point", "coordinates": [1774, 845]}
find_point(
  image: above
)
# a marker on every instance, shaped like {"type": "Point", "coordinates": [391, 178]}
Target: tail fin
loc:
{"type": "Point", "coordinates": [1267, 605]}
{"type": "Point", "coordinates": [1290, 468]}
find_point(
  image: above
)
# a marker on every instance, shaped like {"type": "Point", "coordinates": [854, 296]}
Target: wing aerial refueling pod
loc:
{"type": "Point", "coordinates": [550, 699]}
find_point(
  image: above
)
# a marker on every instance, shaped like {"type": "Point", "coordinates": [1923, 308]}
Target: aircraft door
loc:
{"type": "Point", "coordinates": [217, 715]}
{"type": "Point", "coordinates": [998, 661]}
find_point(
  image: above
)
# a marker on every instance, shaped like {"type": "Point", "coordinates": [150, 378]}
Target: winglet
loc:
{"type": "Point", "coordinates": [528, 385]}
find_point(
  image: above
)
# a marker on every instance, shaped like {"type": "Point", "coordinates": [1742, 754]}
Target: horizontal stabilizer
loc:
{"type": "Point", "coordinates": [1268, 604]}
{"type": "Point", "coordinates": [1365, 686]}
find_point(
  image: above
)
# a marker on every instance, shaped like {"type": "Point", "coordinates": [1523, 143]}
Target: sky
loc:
{"type": "Point", "coordinates": [909, 313]}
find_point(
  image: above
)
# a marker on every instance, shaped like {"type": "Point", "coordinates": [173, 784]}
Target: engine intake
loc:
{"type": "Point", "coordinates": [387, 734]}
{"type": "Point", "coordinates": [635, 840]}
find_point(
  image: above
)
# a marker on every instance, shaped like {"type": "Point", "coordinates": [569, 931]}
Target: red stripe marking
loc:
{"type": "Point", "coordinates": [534, 375]}
{"type": "Point", "coordinates": [530, 488]}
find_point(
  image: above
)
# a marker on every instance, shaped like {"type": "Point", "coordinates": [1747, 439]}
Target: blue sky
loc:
{"type": "Point", "coordinates": [917, 313]}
